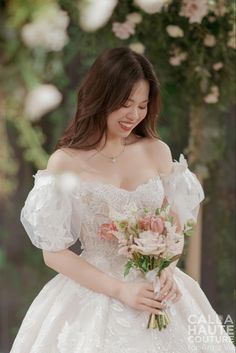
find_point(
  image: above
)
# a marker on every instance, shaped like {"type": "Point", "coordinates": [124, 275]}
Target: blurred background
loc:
{"type": "Point", "coordinates": [46, 47]}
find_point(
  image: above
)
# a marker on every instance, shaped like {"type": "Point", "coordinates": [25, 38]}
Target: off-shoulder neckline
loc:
{"type": "Point", "coordinates": [99, 183]}
{"type": "Point", "coordinates": [177, 168]}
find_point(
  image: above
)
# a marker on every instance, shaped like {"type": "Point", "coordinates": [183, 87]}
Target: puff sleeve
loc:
{"type": "Point", "coordinates": [52, 211]}
{"type": "Point", "coordinates": [183, 191]}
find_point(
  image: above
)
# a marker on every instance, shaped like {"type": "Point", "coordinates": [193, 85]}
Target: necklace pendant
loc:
{"type": "Point", "coordinates": [113, 160]}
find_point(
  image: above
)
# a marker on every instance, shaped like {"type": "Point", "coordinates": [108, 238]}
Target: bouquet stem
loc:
{"type": "Point", "coordinates": [159, 321]}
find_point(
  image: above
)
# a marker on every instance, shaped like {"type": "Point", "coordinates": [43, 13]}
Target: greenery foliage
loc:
{"type": "Point", "coordinates": [197, 76]}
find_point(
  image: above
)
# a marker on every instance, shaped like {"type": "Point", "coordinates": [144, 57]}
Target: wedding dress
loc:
{"type": "Point", "coordinates": [68, 318]}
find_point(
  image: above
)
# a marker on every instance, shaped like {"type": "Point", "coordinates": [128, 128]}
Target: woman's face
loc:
{"type": "Point", "coordinates": [122, 121]}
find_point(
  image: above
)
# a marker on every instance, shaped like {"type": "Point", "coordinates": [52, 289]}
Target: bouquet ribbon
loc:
{"type": "Point", "coordinates": [152, 277]}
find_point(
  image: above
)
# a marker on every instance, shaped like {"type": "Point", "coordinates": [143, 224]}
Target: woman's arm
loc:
{"type": "Point", "coordinates": [139, 295]}
{"type": "Point", "coordinates": [79, 270]}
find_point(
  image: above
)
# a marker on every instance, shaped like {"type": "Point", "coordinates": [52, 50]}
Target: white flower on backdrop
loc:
{"type": "Point", "coordinates": [195, 10]}
{"type": "Point", "coordinates": [232, 38]}
{"type": "Point", "coordinates": [218, 66]}
{"type": "Point", "coordinates": [137, 47]}
{"type": "Point", "coordinates": [209, 40]}
{"type": "Point", "coordinates": [213, 96]}
{"type": "Point", "coordinates": [174, 31]}
{"type": "Point", "coordinates": [123, 30]}
{"type": "Point", "coordinates": [177, 56]}
{"type": "Point", "coordinates": [152, 6]}
{"type": "Point", "coordinates": [134, 17]}
{"type": "Point", "coordinates": [41, 100]}
{"type": "Point", "coordinates": [94, 14]}
{"type": "Point", "coordinates": [48, 30]}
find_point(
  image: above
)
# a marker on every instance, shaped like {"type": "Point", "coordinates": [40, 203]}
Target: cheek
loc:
{"type": "Point", "coordinates": [143, 114]}
{"type": "Point", "coordinates": [114, 117]}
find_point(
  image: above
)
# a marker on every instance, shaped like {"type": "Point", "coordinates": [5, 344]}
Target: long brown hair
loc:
{"type": "Point", "coordinates": [105, 88]}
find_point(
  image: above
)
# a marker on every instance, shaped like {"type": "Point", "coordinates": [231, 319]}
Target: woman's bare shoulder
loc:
{"type": "Point", "coordinates": [62, 160]}
{"type": "Point", "coordinates": [160, 153]}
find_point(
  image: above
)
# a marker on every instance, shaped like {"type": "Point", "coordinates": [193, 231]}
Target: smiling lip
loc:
{"type": "Point", "coordinates": [125, 126]}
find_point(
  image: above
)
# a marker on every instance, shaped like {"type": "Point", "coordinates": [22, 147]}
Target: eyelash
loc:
{"type": "Point", "coordinates": [126, 106]}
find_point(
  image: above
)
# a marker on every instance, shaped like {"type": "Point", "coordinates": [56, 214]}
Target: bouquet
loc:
{"type": "Point", "coordinates": [150, 242]}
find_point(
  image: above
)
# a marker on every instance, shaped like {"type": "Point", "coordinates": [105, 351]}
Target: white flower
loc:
{"type": "Point", "coordinates": [137, 47]}
{"type": "Point", "coordinates": [218, 66]}
{"type": "Point", "coordinates": [209, 40]}
{"type": "Point", "coordinates": [232, 38]}
{"type": "Point", "coordinates": [41, 100]}
{"type": "Point", "coordinates": [195, 10]}
{"type": "Point", "coordinates": [149, 243]}
{"type": "Point", "coordinates": [123, 30]}
{"type": "Point", "coordinates": [134, 17]}
{"type": "Point", "coordinates": [177, 57]}
{"type": "Point", "coordinates": [131, 209]}
{"type": "Point", "coordinates": [219, 7]}
{"type": "Point", "coordinates": [174, 31]}
{"type": "Point", "coordinates": [94, 14]}
{"type": "Point", "coordinates": [213, 96]}
{"type": "Point", "coordinates": [48, 30]}
{"type": "Point", "coordinates": [211, 19]}
{"type": "Point", "coordinates": [211, 99]}
{"type": "Point", "coordinates": [231, 43]}
{"type": "Point", "coordinates": [152, 6]}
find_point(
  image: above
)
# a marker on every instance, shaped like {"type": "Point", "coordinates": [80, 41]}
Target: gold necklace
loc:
{"type": "Point", "coordinates": [114, 158]}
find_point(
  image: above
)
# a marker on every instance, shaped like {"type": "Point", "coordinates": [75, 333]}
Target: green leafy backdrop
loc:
{"type": "Point", "coordinates": [191, 122]}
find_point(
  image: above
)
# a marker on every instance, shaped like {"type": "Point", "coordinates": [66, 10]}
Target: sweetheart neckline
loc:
{"type": "Point", "coordinates": [96, 182]}
{"type": "Point", "coordinates": [147, 182]}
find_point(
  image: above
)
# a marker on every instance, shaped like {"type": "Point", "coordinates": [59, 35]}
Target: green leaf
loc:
{"type": "Point", "coordinates": [128, 267]}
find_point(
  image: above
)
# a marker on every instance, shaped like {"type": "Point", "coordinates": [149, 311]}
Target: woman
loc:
{"type": "Point", "coordinates": [109, 156]}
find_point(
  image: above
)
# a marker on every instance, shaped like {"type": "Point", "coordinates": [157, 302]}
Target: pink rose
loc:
{"type": "Point", "coordinates": [106, 231]}
{"type": "Point", "coordinates": [144, 223]}
{"type": "Point", "coordinates": [157, 224]}
{"type": "Point", "coordinates": [153, 223]}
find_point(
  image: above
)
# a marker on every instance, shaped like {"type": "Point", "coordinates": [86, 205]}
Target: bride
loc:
{"type": "Point", "coordinates": [110, 155]}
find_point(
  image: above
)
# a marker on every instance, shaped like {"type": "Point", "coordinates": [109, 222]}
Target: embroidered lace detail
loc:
{"type": "Point", "coordinates": [68, 318]}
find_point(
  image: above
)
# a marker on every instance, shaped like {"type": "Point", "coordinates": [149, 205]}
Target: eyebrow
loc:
{"type": "Point", "coordinates": [146, 100]}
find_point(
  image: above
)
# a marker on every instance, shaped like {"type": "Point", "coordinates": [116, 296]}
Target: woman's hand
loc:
{"type": "Point", "coordinates": [169, 287]}
{"type": "Point", "coordinates": [140, 296]}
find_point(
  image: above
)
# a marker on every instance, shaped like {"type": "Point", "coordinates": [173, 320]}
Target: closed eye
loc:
{"type": "Point", "coordinates": [143, 107]}
{"type": "Point", "coordinates": [128, 106]}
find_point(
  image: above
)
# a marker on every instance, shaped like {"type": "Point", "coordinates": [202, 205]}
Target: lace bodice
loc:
{"type": "Point", "coordinates": [68, 317]}
{"type": "Point", "coordinates": [61, 209]}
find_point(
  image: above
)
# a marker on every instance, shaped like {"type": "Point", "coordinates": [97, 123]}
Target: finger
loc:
{"type": "Point", "coordinates": [149, 309]}
{"type": "Point", "coordinates": [163, 278]}
{"type": "Point", "coordinates": [148, 286]}
{"type": "Point", "coordinates": [152, 303]}
{"type": "Point", "coordinates": [165, 290]}
{"type": "Point", "coordinates": [178, 296]}
{"type": "Point", "coordinates": [150, 294]}
{"type": "Point", "coordinates": [171, 292]}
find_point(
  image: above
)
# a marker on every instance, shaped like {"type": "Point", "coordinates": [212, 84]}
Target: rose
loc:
{"type": "Point", "coordinates": [149, 243]}
{"type": "Point", "coordinates": [106, 231]}
{"type": "Point", "coordinates": [153, 223]}
{"type": "Point", "coordinates": [156, 224]}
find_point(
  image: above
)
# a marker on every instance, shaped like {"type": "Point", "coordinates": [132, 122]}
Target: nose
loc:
{"type": "Point", "coordinates": [133, 115]}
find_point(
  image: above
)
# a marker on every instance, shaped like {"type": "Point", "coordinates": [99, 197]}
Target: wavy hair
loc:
{"type": "Point", "coordinates": [105, 88]}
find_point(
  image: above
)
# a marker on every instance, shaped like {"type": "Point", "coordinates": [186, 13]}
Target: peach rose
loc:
{"type": "Point", "coordinates": [153, 223]}
{"type": "Point", "coordinates": [106, 231]}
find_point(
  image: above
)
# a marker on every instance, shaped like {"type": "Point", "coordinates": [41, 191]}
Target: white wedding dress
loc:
{"type": "Point", "coordinates": [68, 318]}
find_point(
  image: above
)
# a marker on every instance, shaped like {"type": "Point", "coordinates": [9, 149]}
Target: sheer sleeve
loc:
{"type": "Point", "coordinates": [52, 212]}
{"type": "Point", "coordinates": [183, 191]}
